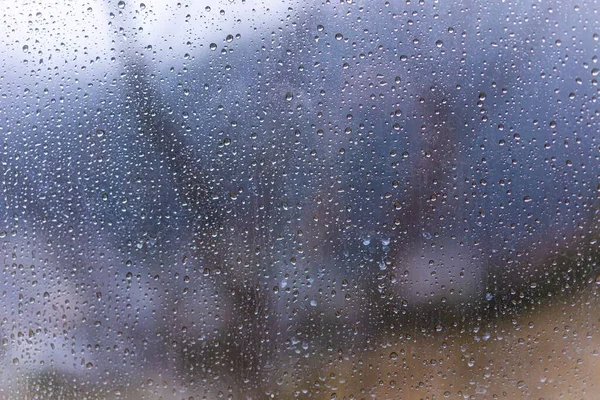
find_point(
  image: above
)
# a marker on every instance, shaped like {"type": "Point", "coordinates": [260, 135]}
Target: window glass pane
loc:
{"type": "Point", "coordinates": [311, 199]}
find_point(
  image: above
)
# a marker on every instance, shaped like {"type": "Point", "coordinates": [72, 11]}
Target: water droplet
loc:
{"type": "Point", "coordinates": [121, 4]}
{"type": "Point", "coordinates": [366, 240]}
{"type": "Point", "coordinates": [213, 46]}
{"type": "Point", "coordinates": [339, 36]}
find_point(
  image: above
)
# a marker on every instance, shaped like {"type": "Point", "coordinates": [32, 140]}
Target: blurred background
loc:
{"type": "Point", "coordinates": [316, 200]}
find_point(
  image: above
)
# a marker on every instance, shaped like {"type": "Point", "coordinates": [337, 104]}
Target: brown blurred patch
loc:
{"type": "Point", "coordinates": [542, 354]}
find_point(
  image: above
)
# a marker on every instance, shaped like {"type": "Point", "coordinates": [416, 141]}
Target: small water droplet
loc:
{"type": "Point", "coordinates": [366, 240]}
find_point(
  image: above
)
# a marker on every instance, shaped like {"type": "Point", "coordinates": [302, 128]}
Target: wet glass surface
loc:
{"type": "Point", "coordinates": [312, 200]}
